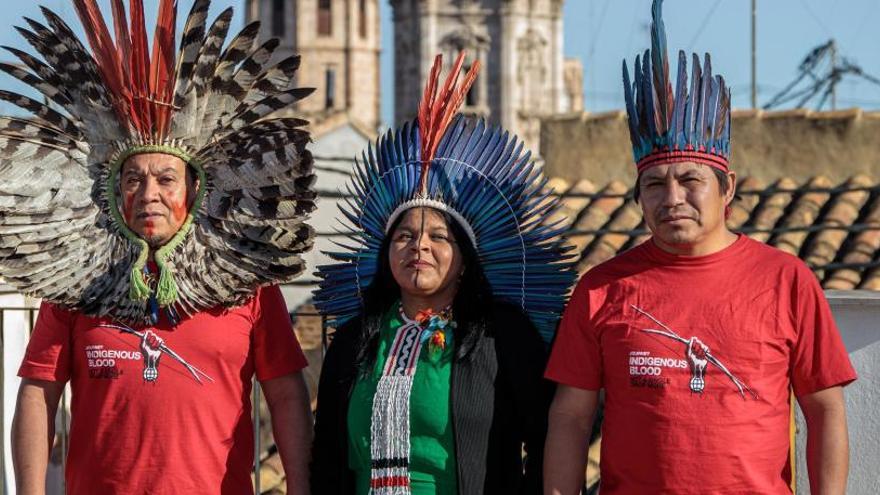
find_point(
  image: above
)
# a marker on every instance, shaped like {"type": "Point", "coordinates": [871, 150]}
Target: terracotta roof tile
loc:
{"type": "Point", "coordinates": [596, 214]}
{"type": "Point", "coordinates": [862, 250]}
{"type": "Point", "coordinates": [555, 186]}
{"type": "Point", "coordinates": [272, 475]}
{"type": "Point", "coordinates": [772, 208]}
{"type": "Point", "coordinates": [804, 213]}
{"type": "Point", "coordinates": [308, 327]}
{"type": "Point", "coordinates": [844, 211]}
{"type": "Point", "coordinates": [741, 210]}
{"type": "Point", "coordinates": [627, 218]}
{"type": "Point", "coordinates": [575, 200]}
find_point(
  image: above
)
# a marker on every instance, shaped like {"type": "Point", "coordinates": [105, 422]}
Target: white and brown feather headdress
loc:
{"type": "Point", "coordinates": [62, 237]}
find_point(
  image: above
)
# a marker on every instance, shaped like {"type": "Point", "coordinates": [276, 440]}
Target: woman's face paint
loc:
{"type": "Point", "coordinates": [157, 193]}
{"type": "Point", "coordinates": [424, 256]}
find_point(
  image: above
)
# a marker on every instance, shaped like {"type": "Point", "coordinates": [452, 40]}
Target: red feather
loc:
{"type": "Point", "coordinates": [438, 108]}
{"type": "Point", "coordinates": [161, 75]}
{"type": "Point", "coordinates": [140, 60]}
{"type": "Point", "coordinates": [141, 89]}
{"type": "Point", "coordinates": [123, 39]}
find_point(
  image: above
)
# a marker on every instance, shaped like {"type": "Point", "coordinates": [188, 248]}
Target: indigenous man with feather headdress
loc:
{"type": "Point", "coordinates": [698, 336]}
{"type": "Point", "coordinates": [154, 208]}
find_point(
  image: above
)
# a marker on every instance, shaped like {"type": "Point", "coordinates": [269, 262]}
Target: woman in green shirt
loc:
{"type": "Point", "coordinates": [433, 381]}
{"type": "Point", "coordinates": [426, 263]}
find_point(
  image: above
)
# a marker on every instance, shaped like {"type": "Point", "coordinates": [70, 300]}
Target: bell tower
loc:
{"type": "Point", "coordinates": [339, 42]}
{"type": "Point", "coordinates": [519, 42]}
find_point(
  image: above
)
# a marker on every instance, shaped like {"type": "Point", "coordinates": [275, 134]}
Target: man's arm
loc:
{"type": "Point", "coordinates": [288, 401]}
{"type": "Point", "coordinates": [33, 432]}
{"type": "Point", "coordinates": [827, 440]}
{"type": "Point", "coordinates": [568, 436]}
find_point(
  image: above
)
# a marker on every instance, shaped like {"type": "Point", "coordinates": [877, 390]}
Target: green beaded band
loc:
{"type": "Point", "coordinates": [166, 289]}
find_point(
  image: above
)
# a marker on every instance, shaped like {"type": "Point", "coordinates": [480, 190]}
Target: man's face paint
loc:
{"type": "Point", "coordinates": [157, 194]}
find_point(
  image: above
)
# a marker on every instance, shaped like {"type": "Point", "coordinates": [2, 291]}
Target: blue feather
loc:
{"type": "Point", "coordinates": [649, 111]}
{"type": "Point", "coordinates": [660, 66]}
{"type": "Point", "coordinates": [714, 100]}
{"type": "Point", "coordinates": [693, 102]}
{"type": "Point", "coordinates": [633, 116]}
{"type": "Point", "coordinates": [676, 133]}
{"type": "Point", "coordinates": [706, 88]}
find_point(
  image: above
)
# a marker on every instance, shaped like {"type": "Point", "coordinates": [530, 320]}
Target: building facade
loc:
{"type": "Point", "coordinates": [519, 42]}
{"type": "Point", "coordinates": [339, 41]}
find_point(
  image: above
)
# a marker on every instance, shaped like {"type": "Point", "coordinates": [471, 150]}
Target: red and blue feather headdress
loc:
{"type": "Point", "coordinates": [483, 178]}
{"type": "Point", "coordinates": [667, 127]}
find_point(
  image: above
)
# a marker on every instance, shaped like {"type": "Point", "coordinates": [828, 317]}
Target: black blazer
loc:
{"type": "Point", "coordinates": [499, 406]}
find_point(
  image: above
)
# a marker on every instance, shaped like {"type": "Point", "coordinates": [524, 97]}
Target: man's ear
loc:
{"type": "Point", "coordinates": [731, 187]}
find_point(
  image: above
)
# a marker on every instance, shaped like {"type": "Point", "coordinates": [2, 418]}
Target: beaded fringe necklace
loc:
{"type": "Point", "coordinates": [390, 427]}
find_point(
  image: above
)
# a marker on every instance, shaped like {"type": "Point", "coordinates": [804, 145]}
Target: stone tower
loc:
{"type": "Point", "coordinates": [519, 42]}
{"type": "Point", "coordinates": [339, 44]}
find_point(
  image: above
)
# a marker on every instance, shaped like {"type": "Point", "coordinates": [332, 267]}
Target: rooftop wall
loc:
{"type": "Point", "coordinates": [767, 145]}
{"type": "Point", "coordinates": [856, 314]}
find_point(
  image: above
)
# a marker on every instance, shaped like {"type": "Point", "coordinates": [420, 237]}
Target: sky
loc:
{"type": "Point", "coordinates": [604, 32]}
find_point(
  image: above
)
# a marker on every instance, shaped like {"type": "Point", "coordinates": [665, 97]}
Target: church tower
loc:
{"type": "Point", "coordinates": [339, 44]}
{"type": "Point", "coordinates": [519, 42]}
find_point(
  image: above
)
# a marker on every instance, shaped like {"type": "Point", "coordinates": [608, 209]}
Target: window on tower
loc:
{"type": "Point", "coordinates": [330, 84]}
{"type": "Point", "coordinates": [325, 18]}
{"type": "Point", "coordinates": [278, 18]}
{"type": "Point", "coordinates": [472, 98]}
{"type": "Point", "coordinates": [362, 19]}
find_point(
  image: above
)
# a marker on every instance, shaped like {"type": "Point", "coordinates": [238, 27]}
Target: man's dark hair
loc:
{"type": "Point", "coordinates": [470, 307]}
{"type": "Point", "coordinates": [723, 183]}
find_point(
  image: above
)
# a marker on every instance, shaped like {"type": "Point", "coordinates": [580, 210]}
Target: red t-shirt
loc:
{"type": "Point", "coordinates": [142, 425]}
{"type": "Point", "coordinates": [675, 419]}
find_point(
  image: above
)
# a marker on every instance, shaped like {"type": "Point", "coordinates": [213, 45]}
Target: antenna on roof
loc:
{"type": "Point", "coordinates": [819, 83]}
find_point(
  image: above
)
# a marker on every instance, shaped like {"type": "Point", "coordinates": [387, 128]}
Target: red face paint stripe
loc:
{"type": "Point", "coordinates": [179, 211]}
{"type": "Point", "coordinates": [127, 203]}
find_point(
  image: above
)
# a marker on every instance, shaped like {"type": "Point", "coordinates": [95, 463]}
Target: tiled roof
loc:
{"type": "Point", "coordinates": [834, 228]}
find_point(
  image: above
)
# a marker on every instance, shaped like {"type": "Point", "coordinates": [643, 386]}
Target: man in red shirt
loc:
{"type": "Point", "coordinates": [699, 335]}
{"type": "Point", "coordinates": [156, 219]}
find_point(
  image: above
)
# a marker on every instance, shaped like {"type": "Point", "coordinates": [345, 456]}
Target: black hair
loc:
{"type": "Point", "coordinates": [723, 183]}
{"type": "Point", "coordinates": [470, 307]}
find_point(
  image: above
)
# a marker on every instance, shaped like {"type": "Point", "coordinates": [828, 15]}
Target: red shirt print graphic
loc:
{"type": "Point", "coordinates": [698, 356]}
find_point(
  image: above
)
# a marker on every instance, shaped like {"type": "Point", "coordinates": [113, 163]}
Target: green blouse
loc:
{"type": "Point", "coordinates": [432, 447]}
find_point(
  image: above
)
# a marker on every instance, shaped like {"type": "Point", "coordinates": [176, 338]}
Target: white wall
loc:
{"type": "Point", "coordinates": [15, 326]}
{"type": "Point", "coordinates": [857, 314]}
{"type": "Point", "coordinates": [343, 142]}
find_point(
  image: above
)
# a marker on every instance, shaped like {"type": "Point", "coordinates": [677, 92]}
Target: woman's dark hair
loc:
{"type": "Point", "coordinates": [470, 307]}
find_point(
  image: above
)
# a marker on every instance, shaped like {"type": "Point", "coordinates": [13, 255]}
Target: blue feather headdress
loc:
{"type": "Point", "coordinates": [484, 179]}
{"type": "Point", "coordinates": [685, 126]}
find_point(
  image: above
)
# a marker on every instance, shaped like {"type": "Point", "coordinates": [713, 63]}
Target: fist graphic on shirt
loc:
{"type": "Point", "coordinates": [151, 348]}
{"type": "Point", "coordinates": [697, 353]}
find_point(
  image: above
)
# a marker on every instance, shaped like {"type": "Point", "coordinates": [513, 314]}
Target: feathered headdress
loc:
{"type": "Point", "coordinates": [668, 127]}
{"type": "Point", "coordinates": [62, 236]}
{"type": "Point", "coordinates": [482, 177]}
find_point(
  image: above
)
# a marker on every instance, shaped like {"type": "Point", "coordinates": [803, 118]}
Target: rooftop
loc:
{"type": "Point", "coordinates": [834, 228]}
